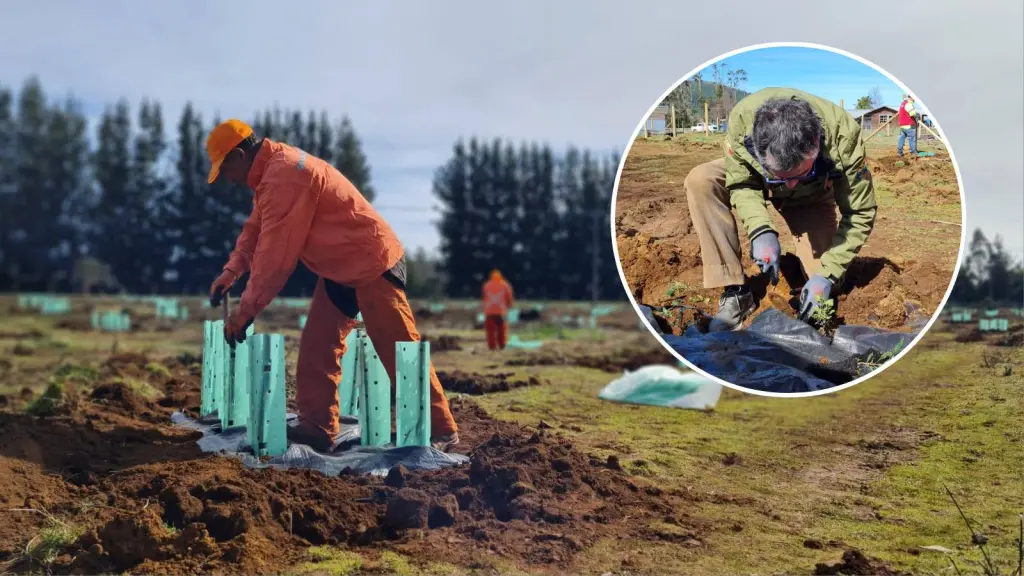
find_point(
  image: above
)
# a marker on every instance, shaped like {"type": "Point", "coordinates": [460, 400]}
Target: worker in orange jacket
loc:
{"type": "Point", "coordinates": [497, 299]}
{"type": "Point", "coordinates": [304, 209]}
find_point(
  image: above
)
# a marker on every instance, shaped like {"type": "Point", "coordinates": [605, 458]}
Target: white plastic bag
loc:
{"type": "Point", "coordinates": [661, 385]}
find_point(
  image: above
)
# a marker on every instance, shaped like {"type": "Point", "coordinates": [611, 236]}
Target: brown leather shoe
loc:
{"type": "Point", "coordinates": [446, 442]}
{"type": "Point", "coordinates": [315, 438]}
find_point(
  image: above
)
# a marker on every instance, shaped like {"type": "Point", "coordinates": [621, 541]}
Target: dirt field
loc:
{"type": "Point", "coordinates": [93, 478]}
{"type": "Point", "coordinates": [909, 258]}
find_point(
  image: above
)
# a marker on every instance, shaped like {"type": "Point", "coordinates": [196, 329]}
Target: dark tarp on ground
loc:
{"type": "Point", "coordinates": [781, 354]}
{"type": "Point", "coordinates": [360, 460]}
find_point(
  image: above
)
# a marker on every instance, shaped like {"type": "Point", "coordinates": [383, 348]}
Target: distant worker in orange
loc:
{"type": "Point", "coordinates": [497, 299]}
{"type": "Point", "coordinates": [304, 209]}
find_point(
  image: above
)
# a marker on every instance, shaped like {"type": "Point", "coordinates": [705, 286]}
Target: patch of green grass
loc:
{"type": "Point", "coordinates": [979, 417]}
{"type": "Point", "coordinates": [808, 468]}
{"type": "Point", "coordinates": [141, 387]}
{"type": "Point", "coordinates": [396, 564]}
{"type": "Point", "coordinates": [77, 373]}
{"type": "Point", "coordinates": [331, 561]}
{"type": "Point", "coordinates": [48, 403]}
{"type": "Point", "coordinates": [53, 538]}
{"type": "Point", "coordinates": [158, 369]}
{"type": "Point", "coordinates": [442, 569]}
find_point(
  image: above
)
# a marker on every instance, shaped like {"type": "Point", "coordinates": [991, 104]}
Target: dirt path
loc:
{"type": "Point", "coordinates": [909, 258]}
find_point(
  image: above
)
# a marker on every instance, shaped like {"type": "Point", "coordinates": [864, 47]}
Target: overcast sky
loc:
{"type": "Point", "coordinates": [414, 76]}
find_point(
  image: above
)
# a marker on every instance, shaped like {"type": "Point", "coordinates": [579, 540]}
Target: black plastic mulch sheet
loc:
{"type": "Point", "coordinates": [781, 354]}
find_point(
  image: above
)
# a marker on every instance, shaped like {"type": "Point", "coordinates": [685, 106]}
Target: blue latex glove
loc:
{"type": "Point", "coordinates": [766, 252]}
{"type": "Point", "coordinates": [817, 287]}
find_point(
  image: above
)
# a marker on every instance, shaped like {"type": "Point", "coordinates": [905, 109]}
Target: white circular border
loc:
{"type": "Point", "coordinates": [636, 306]}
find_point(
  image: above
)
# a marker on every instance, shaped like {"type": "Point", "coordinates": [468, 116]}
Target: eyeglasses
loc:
{"type": "Point", "coordinates": [810, 175]}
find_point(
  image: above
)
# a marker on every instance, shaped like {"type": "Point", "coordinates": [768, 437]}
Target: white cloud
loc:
{"type": "Point", "coordinates": [415, 76]}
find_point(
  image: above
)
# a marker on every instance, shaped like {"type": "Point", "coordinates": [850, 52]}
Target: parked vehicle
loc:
{"type": "Point", "coordinates": [699, 127]}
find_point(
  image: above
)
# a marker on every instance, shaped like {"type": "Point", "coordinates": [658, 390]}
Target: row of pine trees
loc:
{"type": "Point", "coordinates": [128, 193]}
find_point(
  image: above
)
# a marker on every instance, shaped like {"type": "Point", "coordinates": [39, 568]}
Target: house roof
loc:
{"type": "Point", "coordinates": [858, 113]}
{"type": "Point", "coordinates": [660, 112]}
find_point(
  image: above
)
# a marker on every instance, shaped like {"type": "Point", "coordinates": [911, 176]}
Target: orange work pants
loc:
{"type": "Point", "coordinates": [388, 319]}
{"type": "Point", "coordinates": [497, 331]}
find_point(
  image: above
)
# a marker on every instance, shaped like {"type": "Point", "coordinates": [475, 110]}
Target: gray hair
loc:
{"type": "Point", "coordinates": [786, 132]}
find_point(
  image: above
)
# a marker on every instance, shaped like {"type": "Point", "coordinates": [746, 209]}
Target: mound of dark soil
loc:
{"type": "Point", "coordinates": [443, 343]}
{"type": "Point", "coordinates": [151, 502]}
{"type": "Point", "coordinates": [476, 384]}
{"type": "Point", "coordinates": [625, 360]}
{"type": "Point", "coordinates": [855, 563]}
{"type": "Point", "coordinates": [971, 335]}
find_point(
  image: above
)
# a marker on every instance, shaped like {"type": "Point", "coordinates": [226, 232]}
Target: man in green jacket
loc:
{"type": "Point", "coordinates": [804, 156]}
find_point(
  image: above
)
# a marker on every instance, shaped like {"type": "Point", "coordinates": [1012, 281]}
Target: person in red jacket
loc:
{"type": "Point", "coordinates": [497, 299]}
{"type": "Point", "coordinates": [907, 119]}
{"type": "Point", "coordinates": [304, 209]}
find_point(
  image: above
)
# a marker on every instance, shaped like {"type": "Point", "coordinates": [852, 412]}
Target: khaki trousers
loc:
{"type": "Point", "coordinates": [812, 225]}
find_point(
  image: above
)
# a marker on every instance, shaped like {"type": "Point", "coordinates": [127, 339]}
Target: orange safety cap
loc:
{"type": "Point", "coordinates": [223, 139]}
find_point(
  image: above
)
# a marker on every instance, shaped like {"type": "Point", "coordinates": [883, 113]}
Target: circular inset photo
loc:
{"type": "Point", "coordinates": [788, 219]}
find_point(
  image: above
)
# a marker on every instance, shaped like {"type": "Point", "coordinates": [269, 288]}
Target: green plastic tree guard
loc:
{"type": "Point", "coordinates": [213, 367]}
{"type": "Point", "coordinates": [991, 313]}
{"type": "Point", "coordinates": [515, 342]}
{"type": "Point", "coordinates": [267, 430]}
{"type": "Point", "coordinates": [994, 325]}
{"type": "Point", "coordinates": [302, 321]}
{"type": "Point", "coordinates": [412, 393]}
{"type": "Point", "coordinates": [347, 391]}
{"type": "Point", "coordinates": [513, 316]}
{"type": "Point", "coordinates": [52, 306]}
{"type": "Point", "coordinates": [237, 385]}
{"type": "Point", "coordinates": [374, 395]}
{"type": "Point", "coordinates": [108, 321]}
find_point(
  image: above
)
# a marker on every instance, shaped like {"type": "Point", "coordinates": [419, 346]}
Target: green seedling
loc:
{"type": "Point", "coordinates": [53, 538]}
{"type": "Point", "coordinates": [675, 289]}
{"type": "Point", "coordinates": [825, 315]}
{"type": "Point", "coordinates": [874, 360]}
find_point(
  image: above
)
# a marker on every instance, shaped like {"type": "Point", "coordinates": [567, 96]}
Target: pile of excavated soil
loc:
{"type": "Point", "coordinates": [449, 318]}
{"type": "Point", "coordinates": [930, 180]}
{"type": "Point", "coordinates": [854, 563]}
{"type": "Point", "coordinates": [1014, 337]}
{"type": "Point", "coordinates": [477, 384]}
{"type": "Point", "coordinates": [443, 343]}
{"type": "Point", "coordinates": [614, 362]}
{"type": "Point", "coordinates": [148, 500]}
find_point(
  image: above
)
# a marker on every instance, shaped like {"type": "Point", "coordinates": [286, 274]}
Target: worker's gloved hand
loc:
{"type": "Point", "coordinates": [766, 252]}
{"type": "Point", "coordinates": [221, 286]}
{"type": "Point", "coordinates": [817, 287]}
{"type": "Point", "coordinates": [235, 327]}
